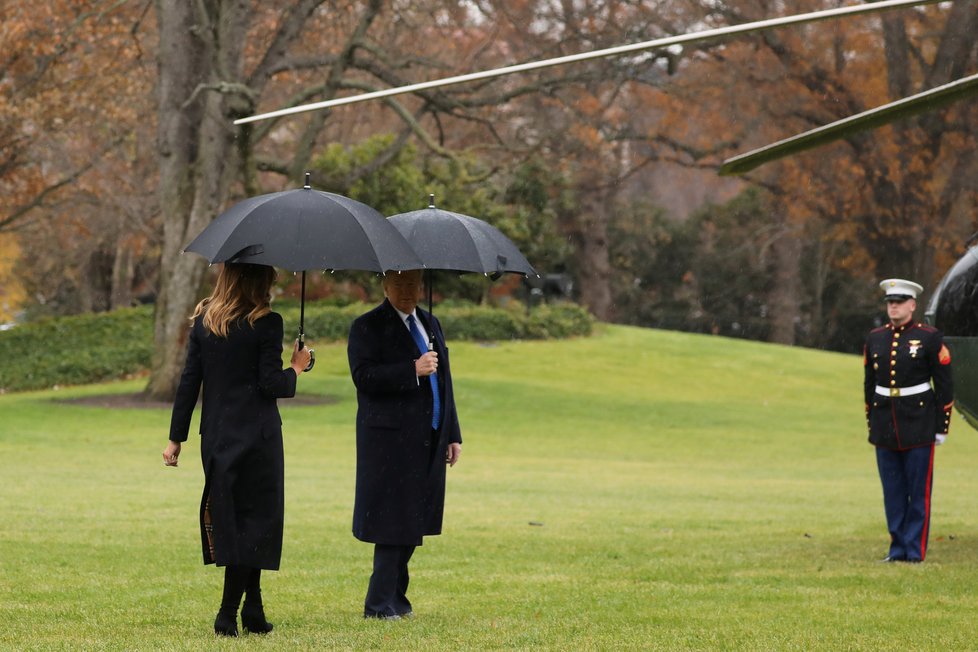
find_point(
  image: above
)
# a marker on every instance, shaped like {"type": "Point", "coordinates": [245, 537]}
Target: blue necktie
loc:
{"type": "Point", "coordinates": [423, 347]}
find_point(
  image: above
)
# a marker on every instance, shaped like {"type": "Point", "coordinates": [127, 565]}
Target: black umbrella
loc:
{"type": "Point", "coordinates": [459, 243]}
{"type": "Point", "coordinates": [305, 229]}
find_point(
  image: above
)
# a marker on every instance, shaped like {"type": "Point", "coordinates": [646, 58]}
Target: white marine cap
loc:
{"type": "Point", "coordinates": [898, 288]}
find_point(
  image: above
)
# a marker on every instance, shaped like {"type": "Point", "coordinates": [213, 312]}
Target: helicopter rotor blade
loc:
{"type": "Point", "coordinates": [693, 37]}
{"type": "Point", "coordinates": [934, 98]}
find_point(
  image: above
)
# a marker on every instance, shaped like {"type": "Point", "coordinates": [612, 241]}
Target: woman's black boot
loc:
{"type": "Point", "coordinates": [253, 612]}
{"type": "Point", "coordinates": [235, 580]}
{"type": "Point", "coordinates": [226, 623]}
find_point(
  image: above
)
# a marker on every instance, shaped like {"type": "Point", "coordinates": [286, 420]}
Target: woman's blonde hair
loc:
{"type": "Point", "coordinates": [242, 291]}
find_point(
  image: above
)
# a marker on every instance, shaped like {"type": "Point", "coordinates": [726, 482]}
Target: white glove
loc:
{"type": "Point", "coordinates": [940, 439]}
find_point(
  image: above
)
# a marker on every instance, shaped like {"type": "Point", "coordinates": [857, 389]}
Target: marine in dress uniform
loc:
{"type": "Point", "coordinates": [909, 396]}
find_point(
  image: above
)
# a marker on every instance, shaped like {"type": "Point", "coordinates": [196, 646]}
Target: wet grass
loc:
{"type": "Point", "coordinates": [638, 490]}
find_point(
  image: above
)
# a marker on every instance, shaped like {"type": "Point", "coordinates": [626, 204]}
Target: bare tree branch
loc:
{"type": "Point", "coordinates": [66, 43]}
{"type": "Point", "coordinates": [288, 31]}
{"type": "Point", "coordinates": [226, 88]}
{"type": "Point", "coordinates": [315, 123]}
{"type": "Point", "coordinates": [38, 200]}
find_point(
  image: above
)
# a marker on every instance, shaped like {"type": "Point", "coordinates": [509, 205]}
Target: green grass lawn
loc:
{"type": "Point", "coordinates": [639, 489]}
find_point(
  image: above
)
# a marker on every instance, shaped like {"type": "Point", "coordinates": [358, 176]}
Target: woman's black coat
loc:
{"type": "Point", "coordinates": [400, 485]}
{"type": "Point", "coordinates": [241, 438]}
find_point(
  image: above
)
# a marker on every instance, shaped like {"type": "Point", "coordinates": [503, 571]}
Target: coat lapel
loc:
{"type": "Point", "coordinates": [433, 331]}
{"type": "Point", "coordinates": [398, 332]}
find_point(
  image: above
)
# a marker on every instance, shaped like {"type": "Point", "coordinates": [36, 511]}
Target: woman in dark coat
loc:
{"type": "Point", "coordinates": [235, 351]}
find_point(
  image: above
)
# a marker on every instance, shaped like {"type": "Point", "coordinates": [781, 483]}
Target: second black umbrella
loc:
{"type": "Point", "coordinates": [460, 243]}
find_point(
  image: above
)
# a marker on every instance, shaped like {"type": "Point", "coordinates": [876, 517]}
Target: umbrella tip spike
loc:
{"type": "Point", "coordinates": [431, 200]}
{"type": "Point", "coordinates": [307, 186]}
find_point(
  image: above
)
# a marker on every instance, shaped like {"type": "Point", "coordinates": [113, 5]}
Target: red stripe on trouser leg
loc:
{"type": "Point", "coordinates": [926, 529]}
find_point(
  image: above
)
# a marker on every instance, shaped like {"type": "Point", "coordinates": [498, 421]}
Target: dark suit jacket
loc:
{"type": "Point", "coordinates": [400, 482]}
{"type": "Point", "coordinates": [909, 355]}
{"type": "Point", "coordinates": [241, 437]}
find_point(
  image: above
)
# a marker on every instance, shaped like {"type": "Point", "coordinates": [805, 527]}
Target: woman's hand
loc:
{"type": "Point", "coordinates": [171, 453]}
{"type": "Point", "coordinates": [300, 358]}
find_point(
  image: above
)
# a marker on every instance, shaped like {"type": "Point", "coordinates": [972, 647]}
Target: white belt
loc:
{"type": "Point", "coordinates": [902, 391]}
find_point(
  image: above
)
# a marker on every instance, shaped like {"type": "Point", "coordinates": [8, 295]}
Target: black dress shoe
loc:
{"type": "Point", "coordinates": [253, 620]}
{"type": "Point", "coordinates": [226, 624]}
{"type": "Point", "coordinates": [890, 560]}
{"type": "Point", "coordinates": [369, 615]}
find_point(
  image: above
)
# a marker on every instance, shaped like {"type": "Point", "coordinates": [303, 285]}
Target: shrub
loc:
{"type": "Point", "coordinates": [460, 321]}
{"type": "Point", "coordinates": [558, 320]}
{"type": "Point", "coordinates": [324, 322]}
{"type": "Point", "coordinates": [480, 323]}
{"type": "Point", "coordinates": [76, 350]}
{"type": "Point", "coordinates": [94, 347]}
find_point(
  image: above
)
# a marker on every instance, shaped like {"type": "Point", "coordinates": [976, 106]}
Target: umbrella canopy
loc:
{"type": "Point", "coordinates": [305, 229]}
{"type": "Point", "coordinates": [456, 242]}
{"type": "Point", "coordinates": [459, 243]}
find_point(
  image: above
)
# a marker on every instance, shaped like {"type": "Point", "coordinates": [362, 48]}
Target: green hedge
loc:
{"type": "Point", "coordinates": [324, 322]}
{"type": "Point", "coordinates": [460, 322]}
{"type": "Point", "coordinates": [94, 347]}
{"type": "Point", "coordinates": [76, 350]}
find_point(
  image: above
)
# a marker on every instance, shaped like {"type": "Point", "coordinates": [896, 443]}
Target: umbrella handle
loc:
{"type": "Point", "coordinates": [302, 315]}
{"type": "Point", "coordinates": [312, 352]}
{"type": "Point", "coordinates": [427, 272]}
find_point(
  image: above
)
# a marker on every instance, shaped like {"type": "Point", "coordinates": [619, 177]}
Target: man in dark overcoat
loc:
{"type": "Point", "coordinates": [407, 430]}
{"type": "Point", "coordinates": [909, 395]}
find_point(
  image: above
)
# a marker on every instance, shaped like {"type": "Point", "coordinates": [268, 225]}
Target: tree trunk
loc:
{"type": "Point", "coordinates": [818, 330]}
{"type": "Point", "coordinates": [123, 272]}
{"type": "Point", "coordinates": [86, 290]}
{"type": "Point", "coordinates": [202, 89]}
{"type": "Point", "coordinates": [786, 293]}
{"type": "Point", "coordinates": [200, 43]}
{"type": "Point", "coordinates": [591, 239]}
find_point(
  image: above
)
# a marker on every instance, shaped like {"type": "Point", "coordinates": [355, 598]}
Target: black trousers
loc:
{"type": "Point", "coordinates": [387, 591]}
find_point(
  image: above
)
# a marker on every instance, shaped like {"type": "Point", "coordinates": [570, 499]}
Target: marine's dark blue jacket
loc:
{"type": "Point", "coordinates": [900, 357]}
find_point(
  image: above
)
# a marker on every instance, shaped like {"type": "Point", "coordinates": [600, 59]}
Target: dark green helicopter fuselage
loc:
{"type": "Point", "coordinates": [953, 309]}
